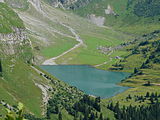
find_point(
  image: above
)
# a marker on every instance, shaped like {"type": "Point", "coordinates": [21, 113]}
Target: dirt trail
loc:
{"type": "Point", "coordinates": [105, 61]}
{"type": "Point", "coordinates": [38, 7]}
{"type": "Point", "coordinates": [52, 60]}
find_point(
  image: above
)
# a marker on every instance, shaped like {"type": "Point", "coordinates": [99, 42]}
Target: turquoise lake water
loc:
{"type": "Point", "coordinates": [88, 79]}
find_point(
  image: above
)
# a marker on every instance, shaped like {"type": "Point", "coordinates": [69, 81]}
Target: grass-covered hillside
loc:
{"type": "Point", "coordinates": [130, 44]}
{"type": "Point", "coordinates": [143, 61]}
{"type": "Point", "coordinates": [21, 81]}
{"type": "Point", "coordinates": [50, 32]}
{"type": "Point", "coordinates": [43, 96]}
{"type": "Point", "coordinates": [16, 76]}
{"type": "Point", "coordinates": [8, 19]}
{"type": "Point", "coordinates": [132, 16]}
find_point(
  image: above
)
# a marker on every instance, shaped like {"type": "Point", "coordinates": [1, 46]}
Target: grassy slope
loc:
{"type": "Point", "coordinates": [133, 25]}
{"type": "Point", "coordinates": [98, 58]}
{"type": "Point", "coordinates": [15, 88]}
{"type": "Point", "coordinates": [85, 54]}
{"type": "Point", "coordinates": [137, 81]}
{"type": "Point", "coordinates": [17, 83]}
{"type": "Point", "coordinates": [127, 21]}
{"type": "Point", "coordinates": [8, 19]}
{"type": "Point", "coordinates": [20, 86]}
{"type": "Point", "coordinates": [48, 40]}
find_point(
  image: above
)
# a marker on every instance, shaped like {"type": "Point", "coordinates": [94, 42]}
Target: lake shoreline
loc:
{"type": "Point", "coordinates": [92, 66]}
{"type": "Point", "coordinates": [90, 80]}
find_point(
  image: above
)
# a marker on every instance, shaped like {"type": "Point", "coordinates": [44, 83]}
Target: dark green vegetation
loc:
{"type": "Point", "coordinates": [19, 79]}
{"type": "Point", "coordinates": [14, 113]}
{"type": "Point", "coordinates": [0, 68]}
{"type": "Point", "coordinates": [131, 16]}
{"type": "Point", "coordinates": [143, 58]}
{"type": "Point", "coordinates": [69, 103]}
{"type": "Point", "coordinates": [86, 108]}
{"type": "Point", "coordinates": [147, 8]}
{"type": "Point", "coordinates": [150, 112]}
{"type": "Point", "coordinates": [143, 61]}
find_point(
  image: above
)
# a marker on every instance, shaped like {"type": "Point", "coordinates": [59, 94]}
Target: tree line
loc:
{"type": "Point", "coordinates": [148, 111]}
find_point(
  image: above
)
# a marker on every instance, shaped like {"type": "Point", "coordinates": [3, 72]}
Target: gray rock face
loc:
{"type": "Point", "coordinates": [1, 0]}
{"type": "Point", "coordinates": [98, 20]}
{"type": "Point", "coordinates": [22, 4]}
{"type": "Point", "coordinates": [13, 43]}
{"type": "Point", "coordinates": [69, 4]}
{"type": "Point", "coordinates": [109, 11]}
{"type": "Point", "coordinates": [36, 4]}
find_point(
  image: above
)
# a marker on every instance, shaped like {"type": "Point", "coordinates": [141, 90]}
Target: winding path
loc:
{"type": "Point", "coordinates": [105, 61]}
{"type": "Point", "coordinates": [78, 39]}
{"type": "Point", "coordinates": [38, 6]}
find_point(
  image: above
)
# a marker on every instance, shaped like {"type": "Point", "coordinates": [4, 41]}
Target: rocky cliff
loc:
{"type": "Point", "coordinates": [11, 43]}
{"type": "Point", "coordinates": [13, 37]}
{"type": "Point", "coordinates": [69, 4]}
{"type": "Point", "coordinates": [20, 4]}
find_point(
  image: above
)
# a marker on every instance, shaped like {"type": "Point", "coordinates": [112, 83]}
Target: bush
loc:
{"type": "Point", "coordinates": [147, 8]}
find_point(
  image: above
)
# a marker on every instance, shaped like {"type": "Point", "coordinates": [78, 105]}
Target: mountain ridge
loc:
{"type": "Point", "coordinates": [37, 31]}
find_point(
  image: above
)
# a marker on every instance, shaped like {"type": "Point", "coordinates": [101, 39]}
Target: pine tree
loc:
{"type": "Point", "coordinates": [0, 68]}
{"type": "Point", "coordinates": [152, 101]}
{"type": "Point", "coordinates": [147, 94]}
{"type": "Point", "coordinates": [136, 70]}
{"type": "Point", "coordinates": [81, 118]}
{"type": "Point", "coordinates": [101, 117]}
{"type": "Point", "coordinates": [60, 116]}
{"type": "Point", "coordinates": [92, 116]}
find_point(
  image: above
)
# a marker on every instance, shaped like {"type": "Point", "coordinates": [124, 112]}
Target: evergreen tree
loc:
{"type": "Point", "coordinates": [0, 68]}
{"type": "Point", "coordinates": [147, 94]}
{"type": "Point", "coordinates": [136, 70]}
{"type": "Point", "coordinates": [92, 116]}
{"type": "Point", "coordinates": [152, 100]}
{"type": "Point", "coordinates": [101, 117]}
{"type": "Point", "coordinates": [150, 112]}
{"type": "Point", "coordinates": [60, 116]}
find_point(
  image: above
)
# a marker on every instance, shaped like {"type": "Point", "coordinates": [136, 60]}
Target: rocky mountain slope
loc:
{"type": "Point", "coordinates": [20, 80]}
{"type": "Point", "coordinates": [43, 95]}
{"type": "Point", "coordinates": [50, 28]}
{"type": "Point", "coordinates": [64, 4]}
{"type": "Point", "coordinates": [61, 37]}
{"type": "Point", "coordinates": [68, 4]}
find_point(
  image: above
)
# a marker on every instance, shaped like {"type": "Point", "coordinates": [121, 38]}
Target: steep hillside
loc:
{"type": "Point", "coordinates": [69, 4]}
{"type": "Point", "coordinates": [43, 95]}
{"type": "Point", "coordinates": [8, 19]}
{"type": "Point", "coordinates": [15, 52]}
{"type": "Point", "coordinates": [50, 36]}
{"type": "Point", "coordinates": [18, 4]}
{"type": "Point", "coordinates": [65, 37]}
{"type": "Point", "coordinates": [143, 60]}
{"type": "Point", "coordinates": [131, 16]}
{"type": "Point", "coordinates": [20, 81]}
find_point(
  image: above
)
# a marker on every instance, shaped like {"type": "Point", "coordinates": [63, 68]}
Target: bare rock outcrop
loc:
{"type": "Point", "coordinates": [110, 11]}
{"type": "Point", "coordinates": [1, 0]}
{"type": "Point", "coordinates": [13, 43]}
{"type": "Point", "coordinates": [17, 4]}
{"type": "Point", "coordinates": [98, 20]}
